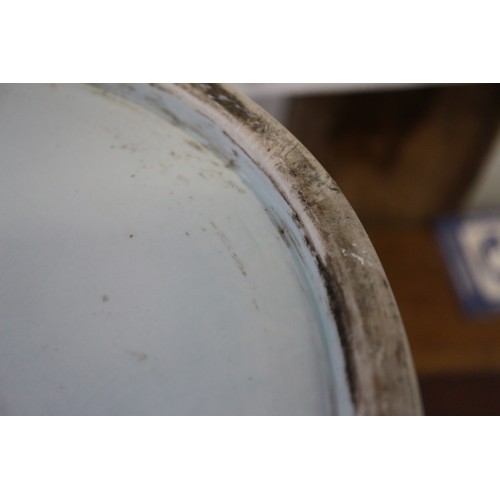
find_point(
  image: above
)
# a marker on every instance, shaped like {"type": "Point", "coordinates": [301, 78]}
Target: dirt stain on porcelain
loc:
{"type": "Point", "coordinates": [138, 356]}
{"type": "Point", "coordinates": [227, 244]}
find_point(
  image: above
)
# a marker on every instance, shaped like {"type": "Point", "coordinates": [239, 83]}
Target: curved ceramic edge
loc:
{"type": "Point", "coordinates": [378, 359]}
{"type": "Point", "coordinates": [380, 372]}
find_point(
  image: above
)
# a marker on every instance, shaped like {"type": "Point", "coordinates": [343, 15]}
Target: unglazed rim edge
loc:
{"type": "Point", "coordinates": [380, 368]}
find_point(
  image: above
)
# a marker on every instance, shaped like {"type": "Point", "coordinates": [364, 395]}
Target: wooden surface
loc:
{"type": "Point", "coordinates": [401, 155]}
{"type": "Point", "coordinates": [461, 394]}
{"type": "Point", "coordinates": [457, 357]}
{"type": "Point", "coordinates": [443, 338]}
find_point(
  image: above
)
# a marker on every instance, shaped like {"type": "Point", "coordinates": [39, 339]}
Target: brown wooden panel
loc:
{"type": "Point", "coordinates": [461, 394]}
{"type": "Point", "coordinates": [443, 339]}
{"type": "Point", "coordinates": [401, 155]}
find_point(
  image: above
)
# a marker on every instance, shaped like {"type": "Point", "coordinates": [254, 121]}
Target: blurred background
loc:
{"type": "Point", "coordinates": [405, 156]}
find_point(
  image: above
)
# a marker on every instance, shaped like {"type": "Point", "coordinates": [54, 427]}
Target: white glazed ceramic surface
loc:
{"type": "Point", "coordinates": [141, 273]}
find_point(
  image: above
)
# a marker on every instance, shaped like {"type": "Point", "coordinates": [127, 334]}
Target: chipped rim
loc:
{"type": "Point", "coordinates": [378, 360]}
